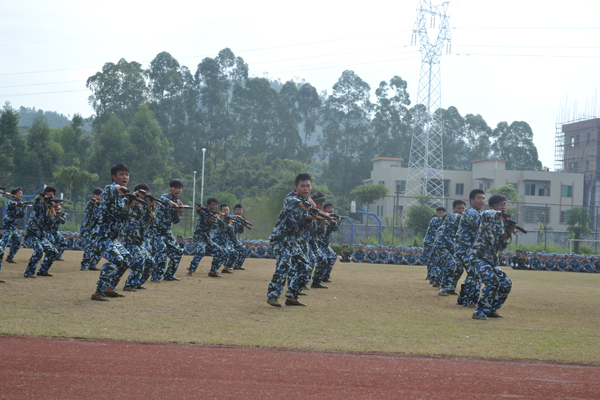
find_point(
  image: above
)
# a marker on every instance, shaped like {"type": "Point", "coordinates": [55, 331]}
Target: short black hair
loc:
{"type": "Point", "coordinates": [49, 189]}
{"type": "Point", "coordinates": [457, 202]}
{"type": "Point", "coordinates": [176, 183]}
{"type": "Point", "coordinates": [16, 190]}
{"type": "Point", "coordinates": [238, 206]}
{"type": "Point", "coordinates": [440, 209]}
{"type": "Point", "coordinates": [318, 196]}
{"type": "Point", "coordinates": [143, 186]}
{"type": "Point", "coordinates": [223, 205]}
{"type": "Point", "coordinates": [302, 176]}
{"type": "Point", "coordinates": [97, 191]}
{"type": "Point", "coordinates": [211, 200]}
{"type": "Point", "coordinates": [474, 193]}
{"type": "Point", "coordinates": [328, 204]}
{"type": "Point", "coordinates": [118, 168]}
{"type": "Point", "coordinates": [495, 199]}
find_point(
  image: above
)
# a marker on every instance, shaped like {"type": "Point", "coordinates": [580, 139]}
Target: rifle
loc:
{"type": "Point", "coordinates": [158, 201]}
{"type": "Point", "coordinates": [244, 222]}
{"type": "Point", "coordinates": [51, 200]}
{"type": "Point", "coordinates": [133, 197]}
{"type": "Point", "coordinates": [4, 192]}
{"type": "Point", "coordinates": [511, 225]}
{"type": "Point", "coordinates": [318, 214]}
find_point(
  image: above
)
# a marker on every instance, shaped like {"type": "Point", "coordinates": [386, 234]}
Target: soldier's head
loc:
{"type": "Point", "coordinates": [477, 198]}
{"type": "Point", "coordinates": [498, 202]}
{"type": "Point", "coordinates": [97, 194]}
{"type": "Point", "coordinates": [142, 189]}
{"type": "Point", "coordinates": [238, 210]}
{"type": "Point", "coordinates": [328, 207]}
{"type": "Point", "coordinates": [458, 206]}
{"type": "Point", "coordinates": [120, 174]}
{"type": "Point", "coordinates": [50, 191]}
{"type": "Point", "coordinates": [440, 212]}
{"type": "Point", "coordinates": [176, 187]}
{"type": "Point", "coordinates": [303, 184]}
{"type": "Point", "coordinates": [212, 203]}
{"type": "Point", "coordinates": [17, 193]}
{"type": "Point", "coordinates": [224, 208]}
{"type": "Point", "coordinates": [319, 199]}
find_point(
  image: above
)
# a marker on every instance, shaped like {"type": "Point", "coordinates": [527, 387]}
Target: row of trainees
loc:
{"type": "Point", "coordinates": [471, 240]}
{"type": "Point", "coordinates": [131, 230]}
{"type": "Point", "coordinates": [551, 262]}
{"type": "Point", "coordinates": [385, 255]}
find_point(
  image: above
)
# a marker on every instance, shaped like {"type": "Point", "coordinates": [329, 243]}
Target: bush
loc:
{"type": "Point", "coordinates": [338, 249]}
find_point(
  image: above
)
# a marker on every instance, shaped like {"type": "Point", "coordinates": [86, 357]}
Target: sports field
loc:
{"type": "Point", "coordinates": [369, 308]}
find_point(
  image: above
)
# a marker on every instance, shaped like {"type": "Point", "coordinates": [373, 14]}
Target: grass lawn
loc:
{"type": "Point", "coordinates": [374, 308]}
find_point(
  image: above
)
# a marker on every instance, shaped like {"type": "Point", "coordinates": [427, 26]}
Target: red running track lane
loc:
{"type": "Point", "coordinates": [50, 368]}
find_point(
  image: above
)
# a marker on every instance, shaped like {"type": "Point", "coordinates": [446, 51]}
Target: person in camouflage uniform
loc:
{"type": "Point", "coordinates": [140, 218]}
{"type": "Point", "coordinates": [448, 265]}
{"type": "Point", "coordinates": [429, 240]}
{"type": "Point", "coordinates": [90, 219]}
{"type": "Point", "coordinates": [36, 238]}
{"type": "Point", "coordinates": [224, 236]}
{"type": "Point", "coordinates": [10, 234]}
{"type": "Point", "coordinates": [164, 243]}
{"type": "Point", "coordinates": [465, 237]}
{"type": "Point", "coordinates": [492, 238]}
{"type": "Point", "coordinates": [286, 242]}
{"type": "Point", "coordinates": [238, 229]}
{"type": "Point", "coordinates": [113, 215]}
{"type": "Point", "coordinates": [57, 218]}
{"type": "Point", "coordinates": [203, 242]}
{"type": "Point", "coordinates": [434, 260]}
{"type": "Point", "coordinates": [325, 240]}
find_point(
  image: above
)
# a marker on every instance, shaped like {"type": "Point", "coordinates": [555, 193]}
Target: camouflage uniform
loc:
{"type": "Point", "coordinates": [286, 242]}
{"type": "Point", "coordinates": [204, 245]}
{"type": "Point", "coordinates": [466, 234]}
{"type": "Point", "coordinates": [57, 239]}
{"type": "Point", "coordinates": [163, 242]}
{"type": "Point", "coordinates": [428, 242]}
{"type": "Point", "coordinates": [324, 242]}
{"type": "Point", "coordinates": [450, 271]}
{"type": "Point", "coordinates": [142, 263]}
{"type": "Point", "coordinates": [113, 214]}
{"type": "Point", "coordinates": [90, 219]}
{"type": "Point", "coordinates": [484, 259]}
{"type": "Point", "coordinates": [240, 256]}
{"type": "Point", "coordinates": [224, 236]}
{"type": "Point", "coordinates": [10, 234]}
{"type": "Point", "coordinates": [37, 226]}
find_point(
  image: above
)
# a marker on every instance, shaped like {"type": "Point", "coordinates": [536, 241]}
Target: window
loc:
{"type": "Point", "coordinates": [529, 215]}
{"type": "Point", "coordinates": [382, 182]}
{"type": "Point", "coordinates": [515, 185]}
{"type": "Point", "coordinates": [395, 165]}
{"type": "Point", "coordinates": [400, 186]}
{"type": "Point", "coordinates": [567, 191]}
{"type": "Point", "coordinates": [572, 141]}
{"type": "Point", "coordinates": [563, 217]}
{"type": "Point", "coordinates": [446, 187]}
{"type": "Point", "coordinates": [576, 140]}
{"type": "Point", "coordinates": [530, 189]}
{"type": "Point", "coordinates": [587, 165]}
{"type": "Point", "coordinates": [460, 189]}
{"type": "Point", "coordinates": [541, 192]}
{"type": "Point", "coordinates": [536, 214]}
{"type": "Point", "coordinates": [588, 137]}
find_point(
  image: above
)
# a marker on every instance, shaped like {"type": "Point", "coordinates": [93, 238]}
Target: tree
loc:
{"type": "Point", "coordinates": [11, 142]}
{"type": "Point", "coordinates": [515, 144]}
{"type": "Point", "coordinates": [309, 105]}
{"type": "Point", "coordinates": [391, 123]}
{"type": "Point", "coordinates": [510, 193]}
{"type": "Point", "coordinates": [112, 145]}
{"type": "Point", "coordinates": [75, 142]}
{"type": "Point", "coordinates": [419, 217]}
{"type": "Point", "coordinates": [368, 195]}
{"type": "Point", "coordinates": [119, 89]}
{"type": "Point", "coordinates": [346, 123]}
{"type": "Point", "coordinates": [578, 219]}
{"type": "Point", "coordinates": [74, 177]}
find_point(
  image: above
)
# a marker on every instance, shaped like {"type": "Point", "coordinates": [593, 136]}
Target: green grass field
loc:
{"type": "Point", "coordinates": [373, 308]}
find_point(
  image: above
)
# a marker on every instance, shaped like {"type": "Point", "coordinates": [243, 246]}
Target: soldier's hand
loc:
{"type": "Point", "coordinates": [122, 190]}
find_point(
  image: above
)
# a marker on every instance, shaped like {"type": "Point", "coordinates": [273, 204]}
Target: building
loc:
{"type": "Point", "coordinates": [551, 193]}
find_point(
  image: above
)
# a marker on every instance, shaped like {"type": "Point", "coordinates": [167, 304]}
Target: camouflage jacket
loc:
{"type": "Point", "coordinates": [203, 226]}
{"type": "Point", "coordinates": [55, 221]}
{"type": "Point", "coordinates": [37, 224]}
{"type": "Point", "coordinates": [166, 217]}
{"type": "Point", "coordinates": [447, 233]}
{"type": "Point", "coordinates": [224, 234]}
{"type": "Point", "coordinates": [90, 218]}
{"type": "Point", "coordinates": [489, 239]}
{"type": "Point", "coordinates": [113, 214]}
{"type": "Point", "coordinates": [292, 222]}
{"type": "Point", "coordinates": [14, 211]}
{"type": "Point", "coordinates": [140, 218]}
{"type": "Point", "coordinates": [434, 224]}
{"type": "Point", "coordinates": [468, 226]}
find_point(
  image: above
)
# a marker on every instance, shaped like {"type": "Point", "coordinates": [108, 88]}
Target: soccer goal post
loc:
{"type": "Point", "coordinates": [570, 243]}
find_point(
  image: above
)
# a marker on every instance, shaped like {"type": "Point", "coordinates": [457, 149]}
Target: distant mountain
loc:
{"type": "Point", "coordinates": [55, 120]}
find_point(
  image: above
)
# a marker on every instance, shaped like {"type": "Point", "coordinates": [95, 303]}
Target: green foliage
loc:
{"type": "Point", "coordinates": [578, 219]}
{"type": "Point", "coordinates": [55, 119]}
{"type": "Point", "coordinates": [11, 142]}
{"type": "Point", "coordinates": [418, 219]}
{"type": "Point", "coordinates": [515, 143]}
{"type": "Point", "coordinates": [364, 194]}
{"type": "Point", "coordinates": [507, 190]}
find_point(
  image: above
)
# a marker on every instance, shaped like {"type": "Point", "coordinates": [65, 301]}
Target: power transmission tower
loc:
{"type": "Point", "coordinates": [425, 165]}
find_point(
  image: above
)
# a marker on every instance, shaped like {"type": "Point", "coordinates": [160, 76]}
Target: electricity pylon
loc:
{"type": "Point", "coordinates": [425, 165]}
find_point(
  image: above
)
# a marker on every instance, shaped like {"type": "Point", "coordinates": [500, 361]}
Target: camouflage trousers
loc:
{"type": "Point", "coordinates": [219, 254]}
{"type": "Point", "coordinates": [141, 265]}
{"type": "Point", "coordinates": [117, 257]}
{"type": "Point", "coordinates": [496, 287]}
{"type": "Point", "coordinates": [90, 257]}
{"type": "Point", "coordinates": [450, 271]}
{"type": "Point", "coordinates": [324, 264]}
{"type": "Point", "coordinates": [10, 239]}
{"type": "Point", "coordinates": [239, 255]}
{"type": "Point", "coordinates": [290, 260]}
{"type": "Point", "coordinates": [433, 269]}
{"type": "Point", "coordinates": [470, 288]}
{"type": "Point", "coordinates": [60, 244]}
{"type": "Point", "coordinates": [163, 247]}
{"type": "Point", "coordinates": [40, 247]}
{"type": "Point", "coordinates": [232, 253]}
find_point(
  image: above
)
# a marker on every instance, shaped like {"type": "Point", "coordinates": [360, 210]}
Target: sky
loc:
{"type": "Point", "coordinates": [510, 60]}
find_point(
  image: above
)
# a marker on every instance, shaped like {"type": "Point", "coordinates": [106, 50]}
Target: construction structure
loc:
{"type": "Point", "coordinates": [425, 165]}
{"type": "Point", "coordinates": [577, 150]}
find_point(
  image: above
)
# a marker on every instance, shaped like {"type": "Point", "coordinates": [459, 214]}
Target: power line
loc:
{"type": "Point", "coordinates": [39, 84]}
{"type": "Point", "coordinates": [30, 94]}
{"type": "Point", "coordinates": [525, 55]}
{"type": "Point", "coordinates": [342, 66]}
{"type": "Point", "coordinates": [526, 28]}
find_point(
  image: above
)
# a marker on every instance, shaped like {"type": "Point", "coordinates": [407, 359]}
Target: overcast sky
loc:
{"type": "Point", "coordinates": [511, 60]}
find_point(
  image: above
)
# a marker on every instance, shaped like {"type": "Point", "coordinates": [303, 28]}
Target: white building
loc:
{"type": "Point", "coordinates": [552, 193]}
